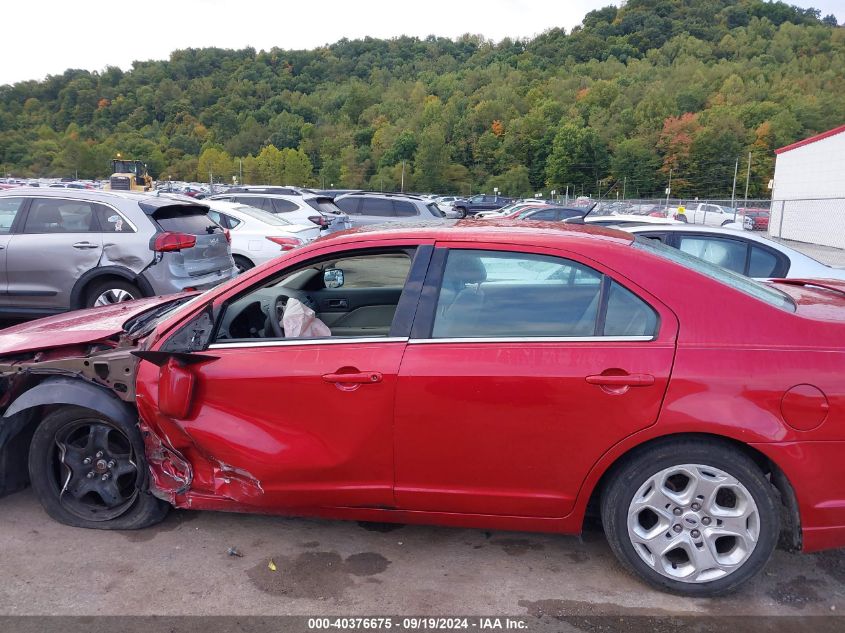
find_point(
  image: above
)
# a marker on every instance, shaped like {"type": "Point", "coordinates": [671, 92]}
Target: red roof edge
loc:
{"type": "Point", "coordinates": [812, 139]}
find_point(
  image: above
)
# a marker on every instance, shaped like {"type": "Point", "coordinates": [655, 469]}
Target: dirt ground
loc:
{"type": "Point", "coordinates": [184, 567]}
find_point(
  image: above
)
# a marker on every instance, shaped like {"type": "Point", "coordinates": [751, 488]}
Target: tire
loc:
{"type": "Point", "coordinates": [682, 217]}
{"type": "Point", "coordinates": [726, 222]}
{"type": "Point", "coordinates": [242, 263]}
{"type": "Point", "coordinates": [638, 485]}
{"type": "Point", "coordinates": [462, 213]}
{"type": "Point", "coordinates": [112, 291]}
{"type": "Point", "coordinates": [115, 497]}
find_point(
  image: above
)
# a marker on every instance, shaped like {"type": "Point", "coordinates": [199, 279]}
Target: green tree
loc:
{"type": "Point", "coordinates": [635, 166]}
{"type": "Point", "coordinates": [271, 166]}
{"type": "Point", "coordinates": [578, 159]}
{"type": "Point", "coordinates": [432, 159]}
{"type": "Point", "coordinates": [216, 163]}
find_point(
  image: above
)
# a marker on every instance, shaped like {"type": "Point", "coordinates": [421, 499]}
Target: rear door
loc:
{"type": "Point", "coordinates": [58, 242]}
{"type": "Point", "coordinates": [522, 369]}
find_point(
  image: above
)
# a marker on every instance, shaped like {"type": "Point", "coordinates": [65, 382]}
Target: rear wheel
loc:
{"type": "Point", "coordinates": [88, 471]}
{"type": "Point", "coordinates": [109, 292]}
{"type": "Point", "coordinates": [242, 263]}
{"type": "Point", "coordinates": [694, 517]}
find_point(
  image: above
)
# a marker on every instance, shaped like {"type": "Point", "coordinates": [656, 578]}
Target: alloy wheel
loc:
{"type": "Point", "coordinates": [112, 296]}
{"type": "Point", "coordinates": [693, 523]}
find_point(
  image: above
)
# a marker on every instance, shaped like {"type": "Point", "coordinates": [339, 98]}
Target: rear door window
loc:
{"type": "Point", "coordinates": [381, 207]}
{"type": "Point", "coordinates": [52, 215]}
{"type": "Point", "coordinates": [489, 294]}
{"type": "Point", "coordinates": [726, 253]}
{"type": "Point", "coordinates": [9, 208]}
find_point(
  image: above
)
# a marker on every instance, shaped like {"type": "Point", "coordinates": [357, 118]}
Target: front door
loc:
{"type": "Point", "coordinates": [531, 366]}
{"type": "Point", "coordinates": [10, 209]}
{"type": "Point", "coordinates": [309, 414]}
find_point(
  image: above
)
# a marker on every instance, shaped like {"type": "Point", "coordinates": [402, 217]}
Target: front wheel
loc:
{"type": "Point", "coordinates": [88, 470]}
{"type": "Point", "coordinates": [462, 213]}
{"type": "Point", "coordinates": [694, 517]}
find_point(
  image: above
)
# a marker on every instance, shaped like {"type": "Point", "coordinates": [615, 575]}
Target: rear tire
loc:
{"type": "Point", "coordinates": [89, 471]}
{"type": "Point", "coordinates": [242, 263]}
{"type": "Point", "coordinates": [693, 517]}
{"type": "Point", "coordinates": [109, 292]}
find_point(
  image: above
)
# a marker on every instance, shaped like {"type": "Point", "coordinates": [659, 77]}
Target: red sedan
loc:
{"type": "Point", "coordinates": [495, 375]}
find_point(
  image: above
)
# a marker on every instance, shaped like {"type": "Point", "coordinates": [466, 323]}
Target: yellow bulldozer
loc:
{"type": "Point", "coordinates": [129, 175]}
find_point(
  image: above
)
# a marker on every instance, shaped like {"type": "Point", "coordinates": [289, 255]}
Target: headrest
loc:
{"type": "Point", "coordinates": [467, 267]}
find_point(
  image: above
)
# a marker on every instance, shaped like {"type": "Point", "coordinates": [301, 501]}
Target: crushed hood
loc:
{"type": "Point", "coordinates": [74, 328]}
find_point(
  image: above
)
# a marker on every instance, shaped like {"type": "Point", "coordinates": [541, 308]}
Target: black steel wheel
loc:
{"type": "Point", "coordinates": [89, 471]}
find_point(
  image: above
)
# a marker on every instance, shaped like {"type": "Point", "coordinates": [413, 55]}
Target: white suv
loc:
{"type": "Point", "coordinates": [299, 206]}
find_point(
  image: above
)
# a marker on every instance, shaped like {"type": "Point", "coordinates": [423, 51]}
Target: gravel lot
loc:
{"type": "Point", "coordinates": [182, 567]}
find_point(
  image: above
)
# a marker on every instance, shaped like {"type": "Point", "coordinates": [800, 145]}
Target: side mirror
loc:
{"type": "Point", "coordinates": [175, 389]}
{"type": "Point", "coordinates": [333, 278]}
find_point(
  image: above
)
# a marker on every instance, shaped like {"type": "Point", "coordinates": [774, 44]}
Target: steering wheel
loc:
{"type": "Point", "coordinates": [275, 316]}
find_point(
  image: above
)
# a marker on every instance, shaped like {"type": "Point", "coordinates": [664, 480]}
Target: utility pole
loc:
{"type": "Point", "coordinates": [402, 186]}
{"type": "Point", "coordinates": [669, 188]}
{"type": "Point", "coordinates": [747, 179]}
{"type": "Point", "coordinates": [241, 170]}
{"type": "Point", "coordinates": [624, 186]}
{"type": "Point", "coordinates": [733, 191]}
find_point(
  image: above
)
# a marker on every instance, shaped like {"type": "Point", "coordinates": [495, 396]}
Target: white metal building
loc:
{"type": "Point", "coordinates": [808, 196]}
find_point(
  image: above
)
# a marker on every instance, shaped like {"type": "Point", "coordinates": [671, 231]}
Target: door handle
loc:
{"type": "Point", "coordinates": [84, 245]}
{"type": "Point", "coordinates": [361, 377]}
{"type": "Point", "coordinates": [626, 380]}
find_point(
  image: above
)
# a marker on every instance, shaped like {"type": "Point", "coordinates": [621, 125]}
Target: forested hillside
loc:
{"type": "Point", "coordinates": [686, 85]}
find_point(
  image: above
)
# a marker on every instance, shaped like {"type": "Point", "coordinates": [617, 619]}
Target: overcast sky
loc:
{"type": "Point", "coordinates": [49, 36]}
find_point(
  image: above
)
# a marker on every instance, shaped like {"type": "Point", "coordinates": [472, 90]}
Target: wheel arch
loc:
{"type": "Point", "coordinates": [102, 273]}
{"type": "Point", "coordinates": [25, 413]}
{"type": "Point", "coordinates": [791, 521]}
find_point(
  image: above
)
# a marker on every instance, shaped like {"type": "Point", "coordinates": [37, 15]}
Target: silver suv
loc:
{"type": "Point", "coordinates": [63, 249]}
{"type": "Point", "coordinates": [365, 207]}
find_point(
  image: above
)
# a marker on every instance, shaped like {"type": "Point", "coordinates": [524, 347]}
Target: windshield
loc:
{"type": "Point", "coordinates": [759, 290]}
{"type": "Point", "coordinates": [262, 216]}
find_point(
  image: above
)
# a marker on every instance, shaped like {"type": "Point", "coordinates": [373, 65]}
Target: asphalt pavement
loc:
{"type": "Point", "coordinates": [212, 563]}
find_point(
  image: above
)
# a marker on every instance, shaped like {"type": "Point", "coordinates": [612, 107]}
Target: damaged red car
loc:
{"type": "Point", "coordinates": [474, 374]}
